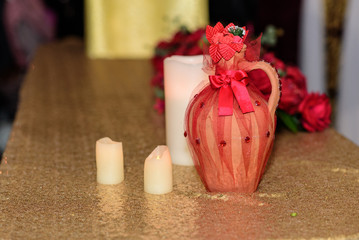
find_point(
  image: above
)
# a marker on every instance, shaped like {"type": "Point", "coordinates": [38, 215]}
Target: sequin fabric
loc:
{"type": "Point", "coordinates": [48, 187]}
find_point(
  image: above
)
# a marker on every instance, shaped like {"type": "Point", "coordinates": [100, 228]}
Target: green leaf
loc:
{"type": "Point", "coordinates": [184, 29]}
{"type": "Point", "coordinates": [159, 93]}
{"type": "Point", "coordinates": [237, 31]}
{"type": "Point", "coordinates": [281, 73]}
{"type": "Point", "coordinates": [269, 36]}
{"type": "Point", "coordinates": [203, 42]}
{"type": "Point", "coordinates": [161, 52]}
{"type": "Point", "coordinates": [291, 122]}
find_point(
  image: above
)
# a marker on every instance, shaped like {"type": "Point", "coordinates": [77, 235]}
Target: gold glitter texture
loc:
{"type": "Point", "coordinates": [48, 187]}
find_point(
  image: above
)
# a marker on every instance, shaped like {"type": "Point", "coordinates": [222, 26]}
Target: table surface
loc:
{"type": "Point", "coordinates": [48, 185]}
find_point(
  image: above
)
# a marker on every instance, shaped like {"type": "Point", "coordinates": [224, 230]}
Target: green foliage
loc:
{"type": "Point", "coordinates": [159, 93]}
{"type": "Point", "coordinates": [270, 36]}
{"type": "Point", "coordinates": [290, 121]}
{"type": "Point", "coordinates": [204, 41]}
{"type": "Point", "coordinates": [161, 52]}
{"type": "Point", "coordinates": [281, 73]}
{"type": "Point", "coordinates": [237, 31]}
{"type": "Point", "coordinates": [184, 30]}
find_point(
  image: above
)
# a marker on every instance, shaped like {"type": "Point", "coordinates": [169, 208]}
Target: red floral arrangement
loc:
{"type": "Point", "coordinates": [297, 109]}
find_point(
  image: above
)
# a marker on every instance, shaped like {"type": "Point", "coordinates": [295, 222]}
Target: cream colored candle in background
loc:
{"type": "Point", "coordinates": [109, 161]}
{"type": "Point", "coordinates": [181, 76]}
{"type": "Point", "coordinates": [158, 171]}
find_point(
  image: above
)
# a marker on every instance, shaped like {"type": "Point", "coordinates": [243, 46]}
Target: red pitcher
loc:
{"type": "Point", "coordinates": [229, 125]}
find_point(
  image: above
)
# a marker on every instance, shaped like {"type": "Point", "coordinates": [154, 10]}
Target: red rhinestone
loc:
{"type": "Point", "coordinates": [198, 141]}
{"type": "Point", "coordinates": [185, 134]}
{"type": "Point", "coordinates": [258, 103]}
{"type": "Point", "coordinates": [202, 105]}
{"type": "Point", "coordinates": [223, 143]}
{"type": "Point", "coordinates": [268, 133]}
{"type": "Point", "coordinates": [247, 139]}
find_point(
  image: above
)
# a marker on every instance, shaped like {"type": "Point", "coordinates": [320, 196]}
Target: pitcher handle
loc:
{"type": "Point", "coordinates": [274, 80]}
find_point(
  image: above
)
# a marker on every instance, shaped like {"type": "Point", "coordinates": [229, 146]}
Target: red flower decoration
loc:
{"type": "Point", "coordinates": [159, 106]}
{"type": "Point", "coordinates": [261, 81]}
{"type": "Point", "coordinates": [294, 90]}
{"type": "Point", "coordinates": [316, 111]}
{"type": "Point", "coordinates": [277, 63]}
{"type": "Point", "coordinates": [223, 42]}
{"type": "Point", "coordinates": [157, 80]}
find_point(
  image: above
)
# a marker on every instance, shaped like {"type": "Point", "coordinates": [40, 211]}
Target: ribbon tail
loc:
{"type": "Point", "coordinates": [241, 93]}
{"type": "Point", "coordinates": [225, 101]}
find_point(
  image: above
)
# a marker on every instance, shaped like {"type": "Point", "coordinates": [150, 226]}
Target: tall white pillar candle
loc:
{"type": "Point", "coordinates": [109, 161]}
{"type": "Point", "coordinates": [158, 171]}
{"type": "Point", "coordinates": [181, 76]}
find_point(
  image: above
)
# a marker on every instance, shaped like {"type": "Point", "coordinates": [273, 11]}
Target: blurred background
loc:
{"type": "Point", "coordinates": [317, 35]}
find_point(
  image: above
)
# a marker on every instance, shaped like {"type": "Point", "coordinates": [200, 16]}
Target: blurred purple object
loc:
{"type": "Point", "coordinates": [28, 23]}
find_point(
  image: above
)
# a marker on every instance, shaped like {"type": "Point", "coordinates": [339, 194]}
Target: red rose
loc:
{"type": "Point", "coordinates": [181, 50]}
{"type": "Point", "coordinates": [194, 37]}
{"type": "Point", "coordinates": [261, 81]}
{"type": "Point", "coordinates": [157, 62]}
{"type": "Point", "coordinates": [159, 105]}
{"type": "Point", "coordinates": [178, 38]}
{"type": "Point", "coordinates": [293, 91]}
{"type": "Point", "coordinates": [277, 63]}
{"type": "Point", "coordinates": [194, 50]}
{"type": "Point", "coordinates": [294, 86]}
{"type": "Point", "coordinates": [315, 110]}
{"type": "Point", "coordinates": [293, 94]}
{"type": "Point", "coordinates": [164, 45]}
{"type": "Point", "coordinates": [157, 80]}
{"type": "Point", "coordinates": [297, 76]}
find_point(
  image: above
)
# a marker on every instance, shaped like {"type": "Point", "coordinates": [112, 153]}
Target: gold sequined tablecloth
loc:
{"type": "Point", "coordinates": [48, 187]}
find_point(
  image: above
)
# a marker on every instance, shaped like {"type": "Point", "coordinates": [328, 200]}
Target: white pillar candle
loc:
{"type": "Point", "coordinates": [109, 161]}
{"type": "Point", "coordinates": [158, 171]}
{"type": "Point", "coordinates": [181, 76]}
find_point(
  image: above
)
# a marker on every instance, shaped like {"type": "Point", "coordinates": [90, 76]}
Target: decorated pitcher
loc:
{"type": "Point", "coordinates": [229, 125]}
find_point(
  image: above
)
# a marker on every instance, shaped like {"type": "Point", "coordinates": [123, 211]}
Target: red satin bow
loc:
{"type": "Point", "coordinates": [229, 83]}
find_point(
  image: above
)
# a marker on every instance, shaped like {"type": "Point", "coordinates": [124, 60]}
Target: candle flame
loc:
{"type": "Point", "coordinates": [158, 157]}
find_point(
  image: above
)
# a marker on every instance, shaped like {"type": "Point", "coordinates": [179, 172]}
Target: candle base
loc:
{"type": "Point", "coordinates": [109, 161]}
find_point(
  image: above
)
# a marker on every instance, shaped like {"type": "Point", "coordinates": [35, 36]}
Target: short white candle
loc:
{"type": "Point", "coordinates": [181, 76]}
{"type": "Point", "coordinates": [109, 161]}
{"type": "Point", "coordinates": [158, 171]}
